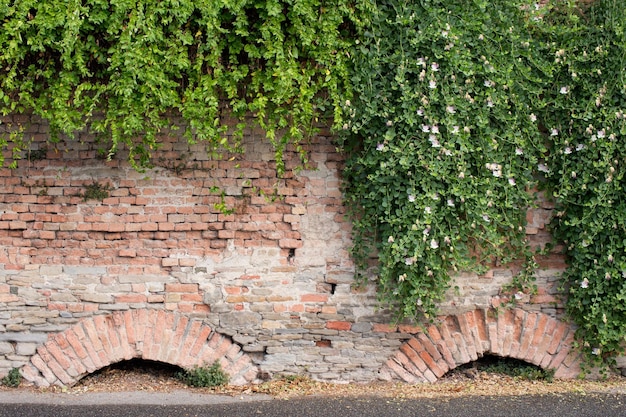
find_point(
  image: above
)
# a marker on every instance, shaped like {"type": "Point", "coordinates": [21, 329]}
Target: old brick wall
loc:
{"type": "Point", "coordinates": [275, 276]}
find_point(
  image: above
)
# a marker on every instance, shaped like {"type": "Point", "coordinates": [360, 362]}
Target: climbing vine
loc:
{"type": "Point", "coordinates": [585, 113]}
{"type": "Point", "coordinates": [443, 143]}
{"type": "Point", "coordinates": [459, 114]}
{"type": "Point", "coordinates": [122, 68]}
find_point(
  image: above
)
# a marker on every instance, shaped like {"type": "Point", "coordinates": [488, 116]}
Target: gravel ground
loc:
{"type": "Point", "coordinates": [141, 376]}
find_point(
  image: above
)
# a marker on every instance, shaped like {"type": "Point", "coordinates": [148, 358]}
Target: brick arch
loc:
{"type": "Point", "coordinates": [156, 335]}
{"type": "Point", "coordinates": [459, 339]}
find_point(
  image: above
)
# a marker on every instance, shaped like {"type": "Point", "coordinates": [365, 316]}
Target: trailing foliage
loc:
{"type": "Point", "coordinates": [459, 113]}
{"type": "Point", "coordinates": [122, 67]}
{"type": "Point", "coordinates": [443, 144]}
{"type": "Point", "coordinates": [12, 379]}
{"type": "Point", "coordinates": [585, 111]}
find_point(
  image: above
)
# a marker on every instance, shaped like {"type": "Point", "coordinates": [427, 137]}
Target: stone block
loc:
{"type": "Point", "coordinates": [240, 320]}
{"type": "Point", "coordinates": [6, 348]}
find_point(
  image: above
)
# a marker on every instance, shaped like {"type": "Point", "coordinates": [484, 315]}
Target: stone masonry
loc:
{"type": "Point", "coordinates": [94, 255]}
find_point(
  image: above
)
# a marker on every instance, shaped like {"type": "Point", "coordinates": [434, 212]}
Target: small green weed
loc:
{"type": "Point", "coordinates": [204, 376]}
{"type": "Point", "coordinates": [13, 379]}
{"type": "Point", "coordinates": [96, 191]}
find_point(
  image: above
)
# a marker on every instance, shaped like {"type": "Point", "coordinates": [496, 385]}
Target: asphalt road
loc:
{"type": "Point", "coordinates": [171, 405]}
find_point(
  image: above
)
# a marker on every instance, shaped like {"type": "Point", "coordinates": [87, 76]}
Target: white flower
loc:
{"type": "Point", "coordinates": [543, 168]}
{"type": "Point", "coordinates": [450, 202]}
{"type": "Point", "coordinates": [519, 151]}
{"type": "Point", "coordinates": [435, 129]}
{"type": "Point", "coordinates": [380, 146]}
{"type": "Point", "coordinates": [573, 175]}
{"type": "Point", "coordinates": [519, 295]}
{"type": "Point", "coordinates": [601, 134]}
{"type": "Point", "coordinates": [512, 181]}
{"type": "Point", "coordinates": [434, 66]}
{"type": "Point", "coordinates": [450, 109]}
{"type": "Point", "coordinates": [427, 210]}
{"type": "Point", "coordinates": [389, 123]}
{"type": "Point", "coordinates": [481, 37]}
{"type": "Point", "coordinates": [432, 84]}
{"type": "Point", "coordinates": [607, 276]}
{"type": "Point", "coordinates": [554, 132]}
{"type": "Point", "coordinates": [411, 198]}
{"type": "Point", "coordinates": [402, 277]}
{"type": "Point", "coordinates": [408, 261]}
{"type": "Point", "coordinates": [580, 147]}
{"type": "Point", "coordinates": [595, 351]}
{"type": "Point", "coordinates": [348, 103]}
{"type": "Point", "coordinates": [418, 302]}
{"type": "Point", "coordinates": [584, 283]}
{"type": "Point", "coordinates": [455, 129]}
{"type": "Point", "coordinates": [489, 103]}
{"type": "Point", "coordinates": [467, 129]}
{"type": "Point", "coordinates": [425, 128]}
{"type": "Point", "coordinates": [567, 150]}
{"type": "Point", "coordinates": [434, 244]}
{"type": "Point", "coordinates": [533, 118]}
{"type": "Point", "coordinates": [486, 218]}
{"type": "Point", "coordinates": [447, 240]}
{"type": "Point", "coordinates": [564, 90]}
{"type": "Point", "coordinates": [610, 258]}
{"type": "Point", "coordinates": [488, 83]}
{"type": "Point", "coordinates": [390, 239]}
{"type": "Point", "coordinates": [421, 62]}
{"type": "Point", "coordinates": [426, 231]}
{"type": "Point", "coordinates": [420, 112]}
{"type": "Point", "coordinates": [434, 142]}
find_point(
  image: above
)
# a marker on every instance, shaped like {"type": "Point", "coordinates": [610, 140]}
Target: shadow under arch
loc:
{"type": "Point", "coordinates": [458, 339]}
{"type": "Point", "coordinates": [156, 335]}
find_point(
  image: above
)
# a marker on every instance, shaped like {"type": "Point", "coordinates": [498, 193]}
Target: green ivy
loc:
{"type": "Point", "coordinates": [585, 113]}
{"type": "Point", "coordinates": [120, 68]}
{"type": "Point", "coordinates": [443, 144]}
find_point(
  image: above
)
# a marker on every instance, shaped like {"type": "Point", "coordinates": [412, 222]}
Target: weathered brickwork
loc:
{"type": "Point", "coordinates": [273, 278]}
{"type": "Point", "coordinates": [533, 337]}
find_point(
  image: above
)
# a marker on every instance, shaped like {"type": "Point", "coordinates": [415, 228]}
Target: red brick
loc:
{"type": "Point", "coordinates": [314, 298]}
{"type": "Point", "coordinates": [431, 364]}
{"type": "Point", "coordinates": [182, 288]}
{"type": "Point", "coordinates": [338, 325]}
{"type": "Point", "coordinates": [527, 334]}
{"type": "Point", "coordinates": [131, 298]}
{"type": "Point", "coordinates": [415, 364]}
{"type": "Point", "coordinates": [401, 372]}
{"type": "Point", "coordinates": [127, 253]}
{"type": "Point", "coordinates": [384, 328]}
